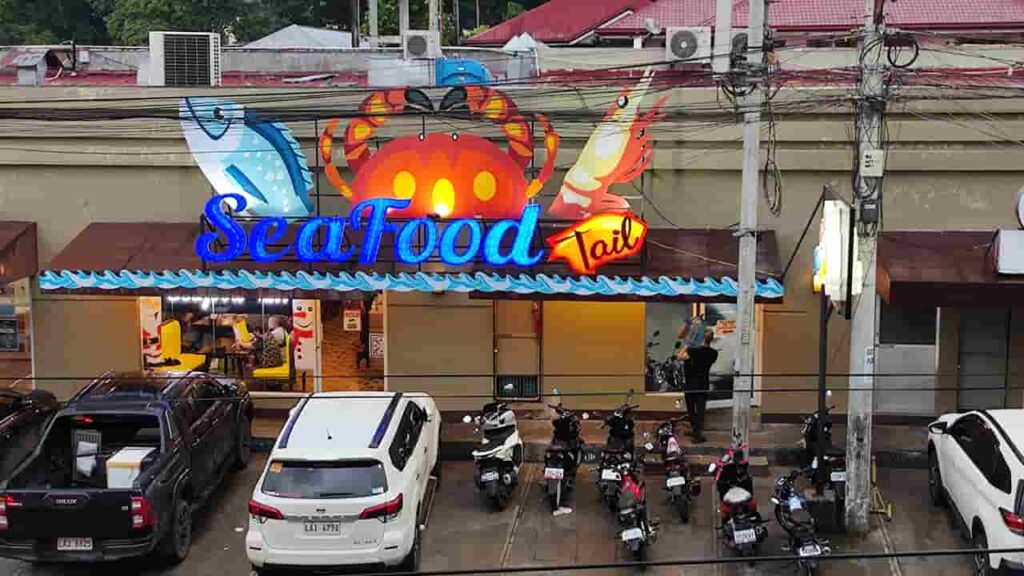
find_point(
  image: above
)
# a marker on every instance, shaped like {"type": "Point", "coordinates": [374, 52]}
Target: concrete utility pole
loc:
{"type": "Point", "coordinates": [432, 13]}
{"type": "Point", "coordinates": [871, 107]}
{"type": "Point", "coordinates": [374, 31]}
{"type": "Point", "coordinates": [403, 17]}
{"type": "Point", "coordinates": [743, 382]}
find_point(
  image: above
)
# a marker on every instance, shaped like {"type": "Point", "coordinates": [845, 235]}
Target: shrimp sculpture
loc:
{"type": "Point", "coordinates": [617, 152]}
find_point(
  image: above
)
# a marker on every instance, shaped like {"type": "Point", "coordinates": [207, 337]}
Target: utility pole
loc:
{"type": "Point", "coordinates": [374, 31]}
{"type": "Point", "coordinates": [403, 17]}
{"type": "Point", "coordinates": [432, 15]}
{"type": "Point", "coordinates": [868, 198]}
{"type": "Point", "coordinates": [743, 381]}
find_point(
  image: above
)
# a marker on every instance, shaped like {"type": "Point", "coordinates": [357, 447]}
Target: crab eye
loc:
{"type": "Point", "coordinates": [622, 101]}
{"type": "Point", "coordinates": [484, 185]}
{"type": "Point", "coordinates": [642, 132]}
{"type": "Point", "coordinates": [455, 135]}
{"type": "Point", "coordinates": [218, 113]}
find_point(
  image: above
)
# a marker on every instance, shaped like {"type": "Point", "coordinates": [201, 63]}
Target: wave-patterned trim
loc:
{"type": "Point", "coordinates": [665, 286]}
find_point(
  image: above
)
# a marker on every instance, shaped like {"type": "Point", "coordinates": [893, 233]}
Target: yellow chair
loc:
{"type": "Point", "coordinates": [282, 373]}
{"type": "Point", "coordinates": [170, 343]}
{"type": "Point", "coordinates": [242, 335]}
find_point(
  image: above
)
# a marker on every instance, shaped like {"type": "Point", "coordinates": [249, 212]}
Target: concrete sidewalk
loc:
{"type": "Point", "coordinates": [900, 446]}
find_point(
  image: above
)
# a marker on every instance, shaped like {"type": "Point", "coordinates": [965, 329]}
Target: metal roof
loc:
{"type": "Point", "coordinates": [295, 36]}
{"type": "Point", "coordinates": [558, 21]}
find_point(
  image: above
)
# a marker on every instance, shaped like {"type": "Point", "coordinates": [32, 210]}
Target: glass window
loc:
{"type": "Point", "coordinates": [407, 435]}
{"type": "Point", "coordinates": [981, 445]}
{"type": "Point", "coordinates": [318, 479]}
{"type": "Point", "coordinates": [903, 325]}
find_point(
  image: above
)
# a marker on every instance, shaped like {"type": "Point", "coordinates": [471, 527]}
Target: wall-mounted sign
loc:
{"type": "Point", "coordinates": [352, 320]}
{"type": "Point", "coordinates": [586, 245]}
{"type": "Point", "coordinates": [1010, 244]}
{"type": "Point", "coordinates": [9, 335]}
{"type": "Point", "coordinates": [376, 344]}
{"type": "Point", "coordinates": [725, 327]}
{"type": "Point", "coordinates": [831, 256]}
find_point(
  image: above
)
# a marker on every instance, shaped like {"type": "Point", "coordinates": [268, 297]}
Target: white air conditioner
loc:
{"type": "Point", "coordinates": [688, 44]}
{"type": "Point", "coordinates": [419, 44]}
{"type": "Point", "coordinates": [184, 59]}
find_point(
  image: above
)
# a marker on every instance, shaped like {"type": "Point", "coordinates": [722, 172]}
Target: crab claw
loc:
{"type": "Point", "coordinates": [418, 99]}
{"type": "Point", "coordinates": [455, 99]}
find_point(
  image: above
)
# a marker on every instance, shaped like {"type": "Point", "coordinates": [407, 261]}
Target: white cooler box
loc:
{"type": "Point", "coordinates": [123, 467]}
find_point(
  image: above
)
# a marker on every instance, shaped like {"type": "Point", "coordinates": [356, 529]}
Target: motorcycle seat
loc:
{"type": "Point", "coordinates": [560, 446]}
{"type": "Point", "coordinates": [737, 495]}
{"type": "Point", "coordinates": [832, 452]}
{"type": "Point", "coordinates": [498, 436]}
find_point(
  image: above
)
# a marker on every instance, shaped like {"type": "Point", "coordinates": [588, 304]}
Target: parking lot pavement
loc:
{"type": "Point", "coordinates": [463, 534]}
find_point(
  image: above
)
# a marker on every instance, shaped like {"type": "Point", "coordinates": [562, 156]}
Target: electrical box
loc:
{"type": "Point", "coordinates": [872, 163]}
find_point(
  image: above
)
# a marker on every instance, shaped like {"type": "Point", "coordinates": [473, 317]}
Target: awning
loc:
{"type": "Point", "coordinates": [156, 257]}
{"type": "Point", "coordinates": [18, 256]}
{"type": "Point", "coordinates": [947, 268]}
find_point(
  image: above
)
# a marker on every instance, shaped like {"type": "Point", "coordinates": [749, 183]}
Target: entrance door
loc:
{"type": "Point", "coordinates": [517, 349]}
{"type": "Point", "coordinates": [983, 349]}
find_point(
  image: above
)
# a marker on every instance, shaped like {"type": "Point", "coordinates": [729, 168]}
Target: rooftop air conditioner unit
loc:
{"type": "Point", "coordinates": [184, 59]}
{"type": "Point", "coordinates": [420, 44]}
{"type": "Point", "coordinates": [688, 44]}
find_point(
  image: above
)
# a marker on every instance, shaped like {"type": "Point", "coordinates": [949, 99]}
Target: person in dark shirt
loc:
{"type": "Point", "coordinates": [697, 363]}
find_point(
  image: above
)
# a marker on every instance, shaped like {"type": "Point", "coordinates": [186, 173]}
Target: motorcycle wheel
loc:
{"type": "Point", "coordinates": [553, 500]}
{"type": "Point", "coordinates": [683, 508]}
{"type": "Point", "coordinates": [809, 570]}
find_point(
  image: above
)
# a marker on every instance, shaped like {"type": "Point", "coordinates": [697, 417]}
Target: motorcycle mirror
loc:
{"type": "Point", "coordinates": [467, 419]}
{"type": "Point", "coordinates": [711, 469]}
{"type": "Point", "coordinates": [649, 446]}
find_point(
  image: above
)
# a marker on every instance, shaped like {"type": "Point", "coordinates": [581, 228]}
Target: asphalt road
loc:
{"type": "Point", "coordinates": [462, 534]}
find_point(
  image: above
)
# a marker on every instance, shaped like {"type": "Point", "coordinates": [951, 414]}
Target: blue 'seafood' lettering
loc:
{"type": "Point", "coordinates": [229, 240]}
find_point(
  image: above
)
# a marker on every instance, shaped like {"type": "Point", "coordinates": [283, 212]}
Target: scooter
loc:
{"type": "Point", "coordinates": [563, 455]}
{"type": "Point", "coordinates": [792, 514]}
{"type": "Point", "coordinates": [618, 450]}
{"type": "Point", "coordinates": [833, 477]}
{"type": "Point", "coordinates": [672, 370]}
{"type": "Point", "coordinates": [499, 455]}
{"type": "Point", "coordinates": [679, 482]}
{"type": "Point", "coordinates": [742, 527]}
{"type": "Point", "coordinates": [654, 378]}
{"type": "Point", "coordinates": [636, 530]}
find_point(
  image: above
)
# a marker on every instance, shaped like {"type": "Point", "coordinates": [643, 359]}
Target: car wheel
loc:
{"type": "Point", "coordinates": [178, 540]}
{"type": "Point", "coordinates": [411, 563]}
{"type": "Point", "coordinates": [981, 560]}
{"type": "Point", "coordinates": [936, 491]}
{"type": "Point", "coordinates": [243, 448]}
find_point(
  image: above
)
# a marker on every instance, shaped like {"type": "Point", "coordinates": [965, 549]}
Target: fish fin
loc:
{"type": "Point", "coordinates": [287, 147]}
{"type": "Point", "coordinates": [247, 185]}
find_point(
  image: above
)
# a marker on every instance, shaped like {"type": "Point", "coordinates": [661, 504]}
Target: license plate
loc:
{"type": "Point", "coordinates": [554, 473]}
{"type": "Point", "coordinates": [839, 476]}
{"type": "Point", "coordinates": [610, 475]}
{"type": "Point", "coordinates": [809, 550]}
{"type": "Point", "coordinates": [489, 476]}
{"type": "Point", "coordinates": [74, 544]}
{"type": "Point", "coordinates": [748, 536]}
{"type": "Point", "coordinates": [322, 527]}
{"type": "Point", "coordinates": [632, 534]}
{"type": "Point", "coordinates": [675, 481]}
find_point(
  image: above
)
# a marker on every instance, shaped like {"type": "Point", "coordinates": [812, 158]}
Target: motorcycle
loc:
{"type": "Point", "coordinates": [792, 514]}
{"type": "Point", "coordinates": [563, 455]}
{"type": "Point", "coordinates": [499, 454]}
{"type": "Point", "coordinates": [742, 527]}
{"type": "Point", "coordinates": [636, 530]}
{"type": "Point", "coordinates": [618, 450]}
{"type": "Point", "coordinates": [654, 378]}
{"type": "Point", "coordinates": [679, 482]}
{"type": "Point", "coordinates": [833, 476]}
{"type": "Point", "coordinates": [672, 370]}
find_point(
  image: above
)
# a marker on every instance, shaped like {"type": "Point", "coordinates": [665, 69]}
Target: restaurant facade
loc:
{"type": "Point", "coordinates": [497, 250]}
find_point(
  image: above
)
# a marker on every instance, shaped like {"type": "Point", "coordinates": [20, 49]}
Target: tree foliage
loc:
{"type": "Point", "coordinates": [129, 22]}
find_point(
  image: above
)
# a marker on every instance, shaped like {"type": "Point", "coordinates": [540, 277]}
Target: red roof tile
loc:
{"type": "Point", "coordinates": [832, 14]}
{"type": "Point", "coordinates": [558, 20]}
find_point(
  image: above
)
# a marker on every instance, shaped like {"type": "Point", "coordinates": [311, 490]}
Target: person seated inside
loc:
{"type": "Point", "coordinates": [272, 343]}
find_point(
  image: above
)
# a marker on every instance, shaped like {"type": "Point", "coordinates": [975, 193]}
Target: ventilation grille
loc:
{"type": "Point", "coordinates": [517, 387]}
{"type": "Point", "coordinates": [191, 60]}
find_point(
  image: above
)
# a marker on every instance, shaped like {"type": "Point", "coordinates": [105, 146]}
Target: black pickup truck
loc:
{"type": "Point", "coordinates": [23, 418]}
{"type": "Point", "coordinates": [75, 499]}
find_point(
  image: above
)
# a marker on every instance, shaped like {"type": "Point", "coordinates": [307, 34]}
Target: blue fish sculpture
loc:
{"type": "Point", "coordinates": [239, 153]}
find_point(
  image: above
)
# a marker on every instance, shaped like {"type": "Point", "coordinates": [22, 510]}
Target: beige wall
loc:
{"type": "Point", "coordinates": [78, 338]}
{"type": "Point", "coordinates": [943, 172]}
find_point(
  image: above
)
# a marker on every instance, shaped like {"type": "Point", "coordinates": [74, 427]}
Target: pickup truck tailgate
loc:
{"type": "Point", "coordinates": [69, 513]}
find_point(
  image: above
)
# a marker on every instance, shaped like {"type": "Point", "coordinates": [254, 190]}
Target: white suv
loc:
{"type": "Point", "coordinates": [345, 483]}
{"type": "Point", "coordinates": [975, 465]}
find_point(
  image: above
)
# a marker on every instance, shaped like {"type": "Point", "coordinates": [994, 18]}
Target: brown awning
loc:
{"type": "Point", "coordinates": [947, 268]}
{"type": "Point", "coordinates": [18, 256]}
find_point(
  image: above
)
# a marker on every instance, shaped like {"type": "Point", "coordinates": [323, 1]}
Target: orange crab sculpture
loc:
{"type": "Point", "coordinates": [449, 175]}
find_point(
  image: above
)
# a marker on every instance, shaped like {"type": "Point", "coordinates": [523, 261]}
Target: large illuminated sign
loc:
{"type": "Point", "coordinates": [585, 245]}
{"type": "Point", "coordinates": [831, 256]}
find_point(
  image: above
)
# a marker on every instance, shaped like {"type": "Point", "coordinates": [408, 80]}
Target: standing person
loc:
{"type": "Point", "coordinates": [697, 363]}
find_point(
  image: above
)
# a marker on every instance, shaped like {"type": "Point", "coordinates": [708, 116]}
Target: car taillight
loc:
{"type": "Point", "coordinates": [261, 510]}
{"type": "Point", "coordinates": [5, 503]}
{"type": "Point", "coordinates": [142, 513]}
{"type": "Point", "coordinates": [387, 511]}
{"type": "Point", "coordinates": [1013, 522]}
